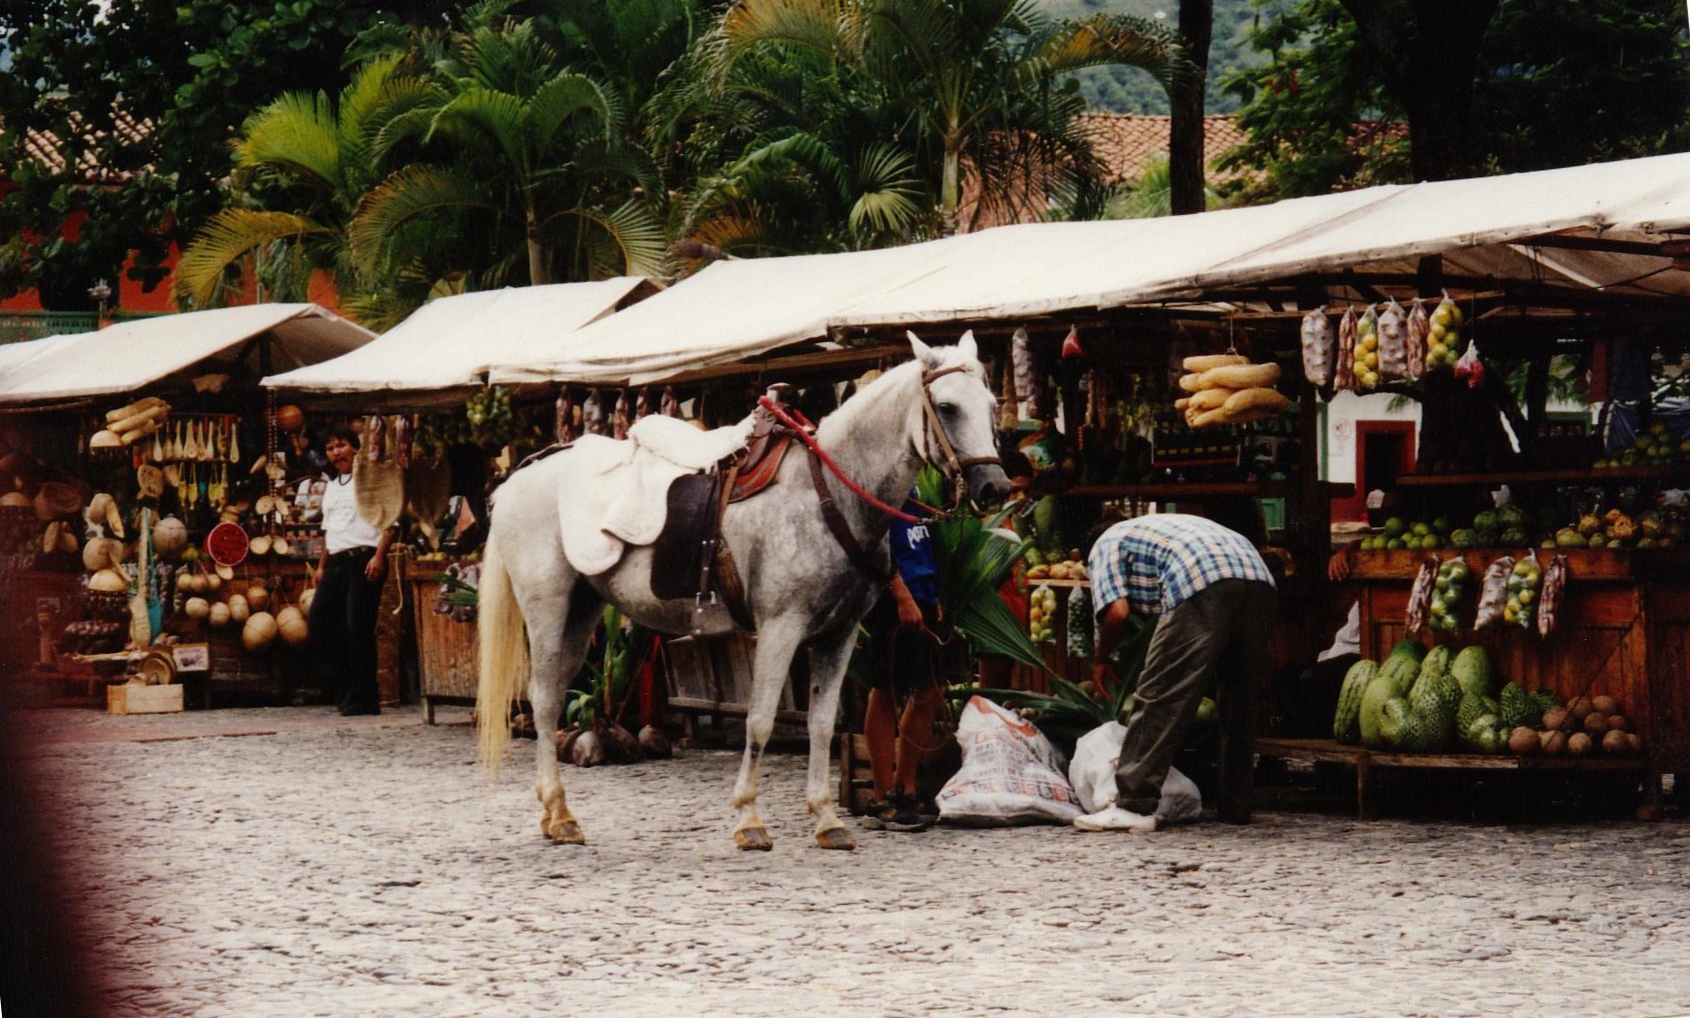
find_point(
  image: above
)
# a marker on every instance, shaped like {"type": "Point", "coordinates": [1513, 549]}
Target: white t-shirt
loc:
{"type": "Point", "coordinates": [343, 528]}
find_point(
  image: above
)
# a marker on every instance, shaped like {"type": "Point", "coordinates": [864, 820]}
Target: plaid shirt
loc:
{"type": "Point", "coordinates": [1158, 562]}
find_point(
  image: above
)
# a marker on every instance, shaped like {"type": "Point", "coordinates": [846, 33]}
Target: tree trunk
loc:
{"type": "Point", "coordinates": [1428, 52]}
{"type": "Point", "coordinates": [1185, 126]}
{"type": "Point", "coordinates": [538, 273]}
{"type": "Point", "coordinates": [950, 184]}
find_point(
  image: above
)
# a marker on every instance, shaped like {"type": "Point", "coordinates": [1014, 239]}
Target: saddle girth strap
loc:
{"type": "Point", "coordinates": [841, 529]}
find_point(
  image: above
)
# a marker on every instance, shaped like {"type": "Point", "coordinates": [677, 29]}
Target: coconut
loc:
{"type": "Point", "coordinates": [259, 632]}
{"type": "Point", "coordinates": [306, 596]}
{"type": "Point", "coordinates": [258, 596]}
{"type": "Point", "coordinates": [185, 581]}
{"type": "Point", "coordinates": [170, 535]}
{"type": "Point", "coordinates": [1554, 719]}
{"type": "Point", "coordinates": [1578, 707]}
{"type": "Point", "coordinates": [1579, 744]}
{"type": "Point", "coordinates": [1618, 723]}
{"type": "Point", "coordinates": [291, 623]}
{"type": "Point", "coordinates": [199, 583]}
{"type": "Point", "coordinates": [1595, 723]}
{"type": "Point", "coordinates": [655, 743]}
{"type": "Point", "coordinates": [1635, 742]}
{"type": "Point", "coordinates": [259, 545]}
{"type": "Point", "coordinates": [108, 581]}
{"type": "Point", "coordinates": [197, 608]}
{"type": "Point", "coordinates": [587, 750]}
{"type": "Point", "coordinates": [1614, 743]}
{"type": "Point", "coordinates": [1523, 741]}
{"type": "Point", "coordinates": [219, 616]}
{"type": "Point", "coordinates": [1604, 704]}
{"type": "Point", "coordinates": [239, 610]}
{"type": "Point", "coordinates": [1555, 743]}
{"type": "Point", "coordinates": [213, 582]}
{"type": "Point", "coordinates": [280, 546]}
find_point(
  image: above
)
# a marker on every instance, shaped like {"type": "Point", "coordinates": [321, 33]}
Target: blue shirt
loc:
{"type": "Point", "coordinates": [912, 557]}
{"type": "Point", "coordinates": [1158, 562]}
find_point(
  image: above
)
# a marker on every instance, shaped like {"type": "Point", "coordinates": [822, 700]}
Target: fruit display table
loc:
{"type": "Point", "coordinates": [1623, 630]}
{"type": "Point", "coordinates": [1366, 761]}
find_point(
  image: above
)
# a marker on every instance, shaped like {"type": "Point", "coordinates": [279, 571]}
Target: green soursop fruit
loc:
{"type": "Point", "coordinates": [1420, 733]}
{"type": "Point", "coordinates": [1468, 711]}
{"type": "Point", "coordinates": [1472, 670]}
{"type": "Point", "coordinates": [1411, 647]}
{"type": "Point", "coordinates": [1373, 700]}
{"type": "Point", "coordinates": [1400, 670]}
{"type": "Point", "coordinates": [1481, 736]}
{"type": "Point", "coordinates": [1393, 719]}
{"type": "Point", "coordinates": [1436, 662]}
{"type": "Point", "coordinates": [1542, 700]}
{"type": "Point", "coordinates": [1346, 724]}
{"type": "Point", "coordinates": [1516, 708]}
{"type": "Point", "coordinates": [1435, 702]}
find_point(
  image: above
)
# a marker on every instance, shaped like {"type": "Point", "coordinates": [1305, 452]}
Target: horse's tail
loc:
{"type": "Point", "coordinates": [502, 660]}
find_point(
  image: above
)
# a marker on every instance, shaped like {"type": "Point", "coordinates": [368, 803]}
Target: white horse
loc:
{"type": "Point", "coordinates": [800, 586]}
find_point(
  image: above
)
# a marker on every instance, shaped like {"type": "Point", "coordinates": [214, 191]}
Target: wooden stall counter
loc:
{"type": "Point", "coordinates": [1623, 629]}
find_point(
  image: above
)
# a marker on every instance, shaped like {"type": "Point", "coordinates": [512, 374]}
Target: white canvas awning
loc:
{"type": "Point", "coordinates": [448, 343]}
{"type": "Point", "coordinates": [1584, 228]}
{"type": "Point", "coordinates": [133, 355]}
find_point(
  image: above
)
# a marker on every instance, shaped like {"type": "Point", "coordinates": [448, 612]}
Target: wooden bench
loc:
{"type": "Point", "coordinates": [1365, 761]}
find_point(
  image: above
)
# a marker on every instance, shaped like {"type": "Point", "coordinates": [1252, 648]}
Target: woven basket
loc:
{"type": "Point", "coordinates": [107, 605]}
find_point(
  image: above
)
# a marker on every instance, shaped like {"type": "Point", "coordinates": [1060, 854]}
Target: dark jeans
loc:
{"type": "Point", "coordinates": [343, 626]}
{"type": "Point", "coordinates": [1218, 637]}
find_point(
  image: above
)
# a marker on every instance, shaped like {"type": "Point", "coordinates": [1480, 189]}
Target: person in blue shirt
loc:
{"type": "Point", "coordinates": [1212, 597]}
{"type": "Point", "coordinates": [902, 624]}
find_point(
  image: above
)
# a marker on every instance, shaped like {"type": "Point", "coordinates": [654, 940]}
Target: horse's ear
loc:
{"type": "Point", "coordinates": [922, 351]}
{"type": "Point", "coordinates": [967, 347]}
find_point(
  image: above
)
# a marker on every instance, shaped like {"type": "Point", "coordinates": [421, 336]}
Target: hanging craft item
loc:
{"type": "Point", "coordinates": [642, 404]}
{"type": "Point", "coordinates": [563, 422]}
{"type": "Point", "coordinates": [619, 417]}
{"type": "Point", "coordinates": [668, 405]}
{"type": "Point", "coordinates": [227, 544]}
{"type": "Point", "coordinates": [592, 414]}
{"type": "Point", "coordinates": [1228, 389]}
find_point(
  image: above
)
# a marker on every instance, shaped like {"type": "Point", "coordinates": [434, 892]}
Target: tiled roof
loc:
{"type": "Point", "coordinates": [1127, 142]}
{"type": "Point", "coordinates": [45, 148]}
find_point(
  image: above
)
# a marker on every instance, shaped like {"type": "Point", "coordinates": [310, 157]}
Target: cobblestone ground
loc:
{"type": "Point", "coordinates": [367, 867]}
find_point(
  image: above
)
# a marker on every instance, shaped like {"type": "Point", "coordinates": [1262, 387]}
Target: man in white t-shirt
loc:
{"type": "Point", "coordinates": [349, 579]}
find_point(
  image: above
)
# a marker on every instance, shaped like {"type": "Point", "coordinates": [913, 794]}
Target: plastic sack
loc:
{"type": "Point", "coordinates": [1419, 325]}
{"type": "Point", "coordinates": [1493, 593]}
{"type": "Point", "coordinates": [1393, 343]}
{"type": "Point", "coordinates": [1420, 595]}
{"type": "Point", "coordinates": [1092, 774]}
{"type": "Point", "coordinates": [1443, 335]}
{"type": "Point", "coordinates": [1010, 774]}
{"type": "Point", "coordinates": [1345, 377]}
{"type": "Point", "coordinates": [1367, 351]}
{"type": "Point", "coordinates": [1549, 599]}
{"type": "Point", "coordinates": [1469, 368]}
{"type": "Point", "coordinates": [1320, 348]}
{"type": "Point", "coordinates": [1041, 615]}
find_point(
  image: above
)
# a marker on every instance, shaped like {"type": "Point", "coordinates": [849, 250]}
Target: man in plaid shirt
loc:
{"type": "Point", "coordinates": [1212, 597]}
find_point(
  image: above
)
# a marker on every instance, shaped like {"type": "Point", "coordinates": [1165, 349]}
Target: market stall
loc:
{"type": "Point", "coordinates": [144, 521]}
{"type": "Point", "coordinates": [426, 379]}
{"type": "Point", "coordinates": [1577, 262]}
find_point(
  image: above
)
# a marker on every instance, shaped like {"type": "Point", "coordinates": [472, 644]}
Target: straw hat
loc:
{"type": "Point", "coordinates": [150, 480]}
{"type": "Point", "coordinates": [56, 498]}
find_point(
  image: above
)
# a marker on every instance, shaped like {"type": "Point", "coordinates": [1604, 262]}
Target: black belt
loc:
{"type": "Point", "coordinates": [363, 550]}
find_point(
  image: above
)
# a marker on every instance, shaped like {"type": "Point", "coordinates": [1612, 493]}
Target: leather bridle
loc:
{"type": "Point", "coordinates": [950, 465]}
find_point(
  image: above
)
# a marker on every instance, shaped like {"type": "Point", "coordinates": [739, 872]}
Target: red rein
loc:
{"type": "Point", "coordinates": [803, 429]}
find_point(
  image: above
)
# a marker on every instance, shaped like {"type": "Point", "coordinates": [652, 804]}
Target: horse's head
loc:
{"type": "Point", "coordinates": [961, 417]}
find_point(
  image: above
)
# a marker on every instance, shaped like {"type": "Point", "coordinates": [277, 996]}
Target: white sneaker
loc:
{"type": "Point", "coordinates": [1114, 818]}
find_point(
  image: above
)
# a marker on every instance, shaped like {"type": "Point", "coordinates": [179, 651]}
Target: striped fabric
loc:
{"type": "Point", "coordinates": [1157, 562]}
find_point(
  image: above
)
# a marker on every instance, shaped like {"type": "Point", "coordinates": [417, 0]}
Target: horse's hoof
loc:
{"type": "Point", "coordinates": [836, 838]}
{"type": "Point", "coordinates": [566, 832]}
{"type": "Point", "coordinates": [753, 839]}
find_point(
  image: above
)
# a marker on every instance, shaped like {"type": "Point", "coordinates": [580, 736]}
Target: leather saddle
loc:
{"type": "Point", "coordinates": [689, 559]}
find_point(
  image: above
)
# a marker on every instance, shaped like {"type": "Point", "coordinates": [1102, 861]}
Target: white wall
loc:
{"type": "Point", "coordinates": [1342, 414]}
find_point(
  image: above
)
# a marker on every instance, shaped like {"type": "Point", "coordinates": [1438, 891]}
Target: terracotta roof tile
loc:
{"type": "Point", "coordinates": [45, 148]}
{"type": "Point", "coordinates": [1127, 142]}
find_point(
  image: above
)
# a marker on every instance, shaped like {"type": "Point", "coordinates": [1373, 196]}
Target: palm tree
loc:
{"type": "Point", "coordinates": [301, 165]}
{"type": "Point", "coordinates": [978, 82]}
{"type": "Point", "coordinates": [510, 147]}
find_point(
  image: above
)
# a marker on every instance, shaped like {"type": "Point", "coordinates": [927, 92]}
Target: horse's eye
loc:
{"type": "Point", "coordinates": [948, 409]}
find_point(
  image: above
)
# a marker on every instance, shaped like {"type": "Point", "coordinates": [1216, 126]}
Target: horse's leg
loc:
{"type": "Point", "coordinates": [777, 641]}
{"type": "Point", "coordinates": [556, 647]}
{"type": "Point", "coordinates": [828, 659]}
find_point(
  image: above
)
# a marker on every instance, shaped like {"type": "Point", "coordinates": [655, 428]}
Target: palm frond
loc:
{"type": "Point", "coordinates": [297, 135]}
{"type": "Point", "coordinates": [483, 113]}
{"type": "Point", "coordinates": [228, 237]}
{"type": "Point", "coordinates": [816, 24]}
{"type": "Point", "coordinates": [888, 190]}
{"type": "Point", "coordinates": [415, 191]}
{"type": "Point", "coordinates": [567, 98]}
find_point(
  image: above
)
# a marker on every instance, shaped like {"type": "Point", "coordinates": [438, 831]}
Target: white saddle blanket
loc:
{"type": "Point", "coordinates": [613, 494]}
